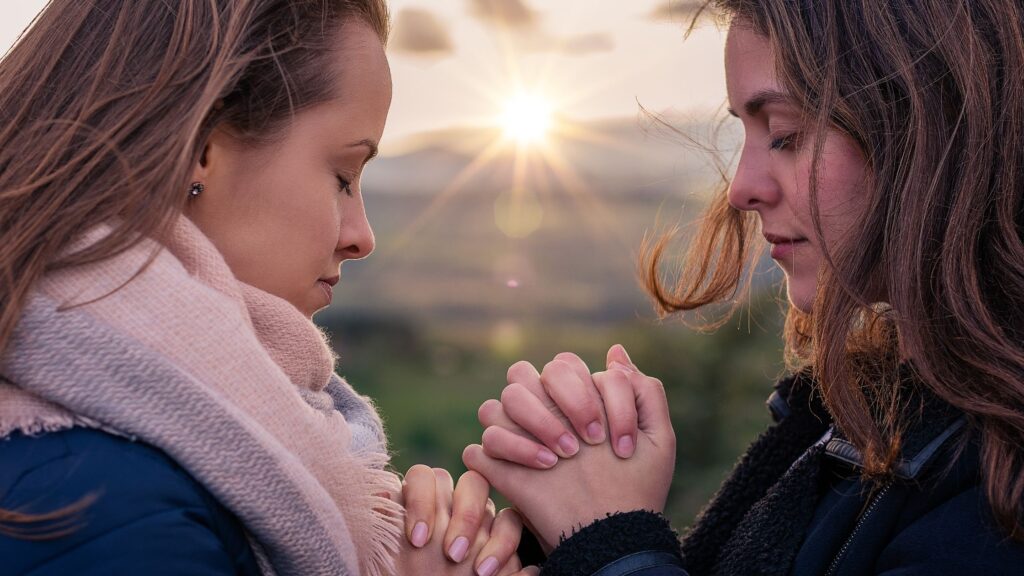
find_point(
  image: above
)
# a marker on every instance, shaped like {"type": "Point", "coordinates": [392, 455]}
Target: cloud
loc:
{"type": "Point", "coordinates": [420, 32]}
{"type": "Point", "coordinates": [676, 10]}
{"type": "Point", "coordinates": [580, 45]}
{"type": "Point", "coordinates": [589, 43]}
{"type": "Point", "coordinates": [530, 34]}
{"type": "Point", "coordinates": [508, 13]}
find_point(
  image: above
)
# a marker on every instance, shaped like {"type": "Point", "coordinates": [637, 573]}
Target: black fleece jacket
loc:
{"type": "Point", "coordinates": [796, 505]}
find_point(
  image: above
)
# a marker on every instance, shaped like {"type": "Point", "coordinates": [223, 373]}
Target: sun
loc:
{"type": "Point", "coordinates": [526, 118]}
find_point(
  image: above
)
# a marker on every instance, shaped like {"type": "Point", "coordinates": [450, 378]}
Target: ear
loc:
{"type": "Point", "coordinates": [212, 157]}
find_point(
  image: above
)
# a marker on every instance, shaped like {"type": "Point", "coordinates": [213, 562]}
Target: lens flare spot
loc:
{"type": "Point", "coordinates": [518, 213]}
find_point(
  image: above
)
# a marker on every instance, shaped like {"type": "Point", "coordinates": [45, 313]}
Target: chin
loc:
{"type": "Point", "coordinates": [801, 297]}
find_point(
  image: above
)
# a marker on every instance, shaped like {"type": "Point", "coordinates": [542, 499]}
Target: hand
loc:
{"type": "Point", "coordinates": [591, 484]}
{"type": "Point", "coordinates": [528, 425]}
{"type": "Point", "coordinates": [446, 525]}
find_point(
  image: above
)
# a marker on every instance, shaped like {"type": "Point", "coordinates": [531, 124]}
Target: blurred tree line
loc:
{"type": "Point", "coordinates": [428, 379]}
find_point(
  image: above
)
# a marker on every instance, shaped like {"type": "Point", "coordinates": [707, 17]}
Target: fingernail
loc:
{"type": "Point", "coordinates": [625, 446]}
{"type": "Point", "coordinates": [547, 458]}
{"type": "Point", "coordinates": [567, 442]}
{"type": "Point", "coordinates": [419, 534]}
{"type": "Point", "coordinates": [626, 354]}
{"type": "Point", "coordinates": [458, 549]}
{"type": "Point", "coordinates": [488, 567]}
{"type": "Point", "coordinates": [595, 432]}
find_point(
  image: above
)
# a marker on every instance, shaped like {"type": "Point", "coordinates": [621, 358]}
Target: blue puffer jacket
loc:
{"type": "Point", "coordinates": [150, 517]}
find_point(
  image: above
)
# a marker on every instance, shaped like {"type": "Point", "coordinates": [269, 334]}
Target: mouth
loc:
{"type": "Point", "coordinates": [327, 285]}
{"type": "Point", "coordinates": [783, 246]}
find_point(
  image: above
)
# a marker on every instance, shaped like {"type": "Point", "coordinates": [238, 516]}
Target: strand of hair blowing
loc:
{"type": "Point", "coordinates": [933, 93]}
{"type": "Point", "coordinates": [105, 104]}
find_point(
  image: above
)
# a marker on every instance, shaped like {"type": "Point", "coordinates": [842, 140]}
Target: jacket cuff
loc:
{"type": "Point", "coordinates": [611, 539]}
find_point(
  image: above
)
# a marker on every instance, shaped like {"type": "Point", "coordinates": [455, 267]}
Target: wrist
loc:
{"type": "Point", "coordinates": [604, 541]}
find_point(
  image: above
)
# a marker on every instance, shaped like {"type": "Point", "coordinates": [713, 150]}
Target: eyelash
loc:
{"type": "Point", "coordinates": [344, 185]}
{"type": "Point", "coordinates": [782, 142]}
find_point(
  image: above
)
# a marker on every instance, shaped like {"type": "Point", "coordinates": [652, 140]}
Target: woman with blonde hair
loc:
{"type": "Point", "coordinates": [883, 164]}
{"type": "Point", "coordinates": [179, 186]}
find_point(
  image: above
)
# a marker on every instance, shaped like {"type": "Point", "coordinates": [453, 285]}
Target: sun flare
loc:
{"type": "Point", "coordinates": [526, 118]}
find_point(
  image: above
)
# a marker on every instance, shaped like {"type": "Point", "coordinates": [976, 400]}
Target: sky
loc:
{"type": "Point", "coordinates": [457, 63]}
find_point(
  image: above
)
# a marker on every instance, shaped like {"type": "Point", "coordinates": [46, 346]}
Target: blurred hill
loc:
{"type": "Point", "coordinates": [548, 246]}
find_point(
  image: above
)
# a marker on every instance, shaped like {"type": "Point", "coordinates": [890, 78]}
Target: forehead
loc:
{"type": "Point", "coordinates": [358, 59]}
{"type": "Point", "coordinates": [749, 65]}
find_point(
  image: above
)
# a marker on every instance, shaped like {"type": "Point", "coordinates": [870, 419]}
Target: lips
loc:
{"type": "Point", "coordinates": [327, 285]}
{"type": "Point", "coordinates": [783, 246]}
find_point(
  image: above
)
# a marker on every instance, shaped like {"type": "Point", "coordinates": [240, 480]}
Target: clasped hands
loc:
{"type": "Point", "coordinates": [531, 452]}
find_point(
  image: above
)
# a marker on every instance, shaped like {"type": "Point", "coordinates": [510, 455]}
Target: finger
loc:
{"type": "Point", "coordinates": [513, 567]}
{"type": "Point", "coordinates": [620, 407]}
{"type": "Point", "coordinates": [524, 373]}
{"type": "Point", "coordinates": [501, 546]}
{"type": "Point", "coordinates": [501, 475]}
{"type": "Point", "coordinates": [576, 398]}
{"type": "Point", "coordinates": [506, 445]}
{"type": "Point", "coordinates": [492, 413]}
{"type": "Point", "coordinates": [653, 416]}
{"type": "Point", "coordinates": [419, 495]}
{"type": "Point", "coordinates": [528, 571]}
{"type": "Point", "coordinates": [576, 363]}
{"type": "Point", "coordinates": [526, 410]}
{"type": "Point", "coordinates": [617, 355]}
{"type": "Point", "coordinates": [444, 488]}
{"type": "Point", "coordinates": [469, 508]}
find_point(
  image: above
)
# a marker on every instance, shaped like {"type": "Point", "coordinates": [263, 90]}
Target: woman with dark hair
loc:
{"type": "Point", "coordinates": [884, 165]}
{"type": "Point", "coordinates": [179, 185]}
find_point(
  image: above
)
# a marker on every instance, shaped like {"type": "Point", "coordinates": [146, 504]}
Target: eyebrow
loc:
{"type": "Point", "coordinates": [370, 145]}
{"type": "Point", "coordinates": [762, 99]}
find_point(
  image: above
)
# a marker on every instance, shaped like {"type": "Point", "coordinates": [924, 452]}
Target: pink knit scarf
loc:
{"type": "Point", "coordinates": [243, 352]}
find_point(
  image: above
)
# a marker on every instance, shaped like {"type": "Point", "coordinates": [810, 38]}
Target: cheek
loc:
{"type": "Point", "coordinates": [842, 191]}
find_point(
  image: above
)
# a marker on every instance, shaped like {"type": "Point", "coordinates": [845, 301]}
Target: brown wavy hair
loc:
{"type": "Point", "coordinates": [106, 104]}
{"type": "Point", "coordinates": [932, 91]}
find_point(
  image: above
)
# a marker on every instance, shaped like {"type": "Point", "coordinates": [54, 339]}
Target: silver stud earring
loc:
{"type": "Point", "coordinates": [196, 189]}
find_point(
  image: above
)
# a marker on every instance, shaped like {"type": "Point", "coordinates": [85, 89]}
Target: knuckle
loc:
{"type": "Point", "coordinates": [473, 479]}
{"type": "Point", "coordinates": [622, 416]}
{"type": "Point", "coordinates": [417, 471]}
{"type": "Point", "coordinates": [471, 455]}
{"type": "Point", "coordinates": [488, 411]}
{"type": "Point", "coordinates": [569, 358]}
{"type": "Point", "coordinates": [510, 516]}
{"type": "Point", "coordinates": [442, 474]}
{"type": "Point", "coordinates": [513, 393]}
{"type": "Point", "coordinates": [654, 384]}
{"type": "Point", "coordinates": [519, 370]}
{"type": "Point", "coordinates": [491, 435]}
{"type": "Point", "coordinates": [468, 516]}
{"type": "Point", "coordinates": [555, 366]}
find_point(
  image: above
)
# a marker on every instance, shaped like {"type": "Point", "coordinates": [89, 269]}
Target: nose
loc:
{"type": "Point", "coordinates": [754, 186]}
{"type": "Point", "coordinates": [355, 237]}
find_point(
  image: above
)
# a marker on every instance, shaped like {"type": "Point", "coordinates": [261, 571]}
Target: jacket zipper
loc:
{"type": "Point", "coordinates": [863, 518]}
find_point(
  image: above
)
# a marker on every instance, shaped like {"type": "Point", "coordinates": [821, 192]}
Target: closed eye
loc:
{"type": "Point", "coordinates": [782, 142]}
{"type": "Point", "coordinates": [344, 185]}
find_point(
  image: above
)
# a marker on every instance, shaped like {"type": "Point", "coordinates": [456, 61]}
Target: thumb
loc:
{"type": "Point", "coordinates": [500, 474]}
{"type": "Point", "coordinates": [653, 415]}
{"type": "Point", "coordinates": [617, 355]}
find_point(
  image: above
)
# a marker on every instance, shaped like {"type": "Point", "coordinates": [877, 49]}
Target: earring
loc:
{"type": "Point", "coordinates": [196, 189]}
